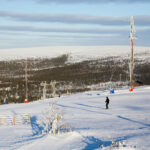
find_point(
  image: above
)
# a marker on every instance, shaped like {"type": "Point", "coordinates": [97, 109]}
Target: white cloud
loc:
{"type": "Point", "coordinates": [75, 19]}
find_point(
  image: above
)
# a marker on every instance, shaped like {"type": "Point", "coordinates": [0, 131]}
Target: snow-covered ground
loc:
{"type": "Point", "coordinates": [76, 53]}
{"type": "Point", "coordinates": [127, 120]}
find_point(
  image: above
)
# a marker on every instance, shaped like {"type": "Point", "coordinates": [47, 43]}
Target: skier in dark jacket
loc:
{"type": "Point", "coordinates": [107, 102]}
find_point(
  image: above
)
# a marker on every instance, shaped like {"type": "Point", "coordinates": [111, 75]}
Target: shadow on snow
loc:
{"type": "Point", "coordinates": [36, 129]}
{"type": "Point", "coordinates": [94, 143]}
{"type": "Point", "coordinates": [147, 125]}
{"type": "Point", "coordinates": [82, 109]}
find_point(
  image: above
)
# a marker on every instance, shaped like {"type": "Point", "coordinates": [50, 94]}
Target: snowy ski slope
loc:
{"type": "Point", "coordinates": [93, 127]}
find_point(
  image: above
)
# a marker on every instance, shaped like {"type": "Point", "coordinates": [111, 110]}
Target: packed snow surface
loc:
{"type": "Point", "coordinates": [93, 127]}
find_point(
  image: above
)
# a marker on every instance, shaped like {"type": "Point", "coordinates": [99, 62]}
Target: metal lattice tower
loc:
{"type": "Point", "coordinates": [44, 84]}
{"type": "Point", "coordinates": [132, 38]}
{"type": "Point", "coordinates": [53, 84]}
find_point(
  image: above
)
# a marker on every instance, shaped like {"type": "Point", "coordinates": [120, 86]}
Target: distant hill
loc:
{"type": "Point", "coordinates": [77, 53]}
{"type": "Point", "coordinates": [74, 72]}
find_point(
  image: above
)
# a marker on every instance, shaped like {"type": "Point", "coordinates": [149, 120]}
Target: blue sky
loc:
{"type": "Point", "coordinates": [34, 23]}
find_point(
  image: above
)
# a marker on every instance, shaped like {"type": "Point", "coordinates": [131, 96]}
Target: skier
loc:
{"type": "Point", "coordinates": [107, 102]}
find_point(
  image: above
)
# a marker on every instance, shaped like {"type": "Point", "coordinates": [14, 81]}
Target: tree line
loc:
{"type": "Point", "coordinates": [75, 75]}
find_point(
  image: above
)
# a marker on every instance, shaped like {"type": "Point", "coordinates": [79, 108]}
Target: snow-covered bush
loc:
{"type": "Point", "coordinates": [52, 121]}
{"type": "Point", "coordinates": [118, 144]}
